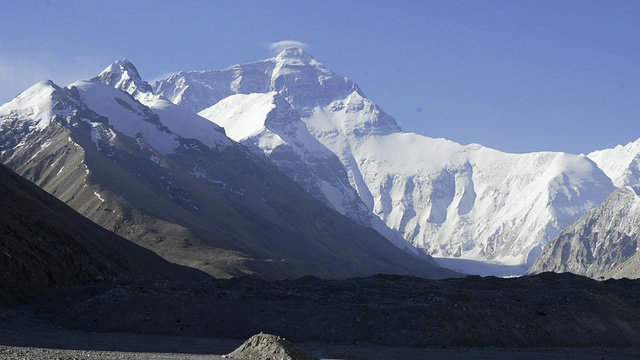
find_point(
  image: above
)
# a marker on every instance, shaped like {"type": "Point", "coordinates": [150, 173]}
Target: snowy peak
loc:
{"type": "Point", "coordinates": [38, 106]}
{"type": "Point", "coordinates": [123, 75]}
{"type": "Point", "coordinates": [30, 98]}
{"type": "Point", "coordinates": [127, 115]}
{"type": "Point", "coordinates": [306, 84]}
{"type": "Point", "coordinates": [296, 56]}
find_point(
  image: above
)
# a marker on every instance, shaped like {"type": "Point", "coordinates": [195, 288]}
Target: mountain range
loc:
{"type": "Point", "coordinates": [451, 200]}
{"type": "Point", "coordinates": [282, 167]}
{"type": "Point", "coordinates": [206, 202]}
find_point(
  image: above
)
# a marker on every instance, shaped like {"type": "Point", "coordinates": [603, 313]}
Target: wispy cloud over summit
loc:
{"type": "Point", "coordinates": [278, 46]}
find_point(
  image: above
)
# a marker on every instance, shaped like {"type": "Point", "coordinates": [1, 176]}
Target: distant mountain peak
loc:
{"type": "Point", "coordinates": [296, 56]}
{"type": "Point", "coordinates": [49, 83]}
{"type": "Point", "coordinates": [293, 52]}
{"type": "Point", "coordinates": [122, 74]}
{"type": "Point", "coordinates": [123, 66]}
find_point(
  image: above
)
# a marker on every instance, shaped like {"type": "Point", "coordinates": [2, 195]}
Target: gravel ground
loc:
{"type": "Point", "coordinates": [549, 316]}
{"type": "Point", "coordinates": [335, 352]}
{"type": "Point", "coordinates": [28, 336]}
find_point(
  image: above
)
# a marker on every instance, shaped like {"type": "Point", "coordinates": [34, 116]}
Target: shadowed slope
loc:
{"type": "Point", "coordinates": [46, 244]}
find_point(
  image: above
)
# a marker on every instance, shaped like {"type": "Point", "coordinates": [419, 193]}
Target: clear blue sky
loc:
{"type": "Point", "coordinates": [517, 76]}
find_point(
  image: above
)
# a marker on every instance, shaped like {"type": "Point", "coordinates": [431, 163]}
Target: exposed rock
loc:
{"type": "Point", "coordinates": [267, 346]}
{"type": "Point", "coordinates": [601, 240]}
{"type": "Point", "coordinates": [629, 269]}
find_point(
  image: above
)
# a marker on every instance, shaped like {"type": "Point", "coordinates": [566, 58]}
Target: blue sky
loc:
{"type": "Point", "coordinates": [518, 76]}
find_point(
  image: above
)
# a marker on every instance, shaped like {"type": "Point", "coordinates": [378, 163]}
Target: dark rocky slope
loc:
{"type": "Point", "coordinates": [45, 244]}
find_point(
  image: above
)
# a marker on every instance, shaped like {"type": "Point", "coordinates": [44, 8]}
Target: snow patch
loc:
{"type": "Point", "coordinates": [198, 172]}
{"type": "Point", "coordinates": [241, 116]}
{"type": "Point", "coordinates": [98, 196]}
{"type": "Point", "coordinates": [126, 115]}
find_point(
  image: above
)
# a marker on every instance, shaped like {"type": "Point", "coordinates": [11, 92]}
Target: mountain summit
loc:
{"type": "Point", "coordinates": [122, 74]}
{"type": "Point", "coordinates": [295, 54]}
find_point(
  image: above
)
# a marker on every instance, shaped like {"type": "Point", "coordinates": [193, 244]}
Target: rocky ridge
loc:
{"type": "Point", "coordinates": [599, 241]}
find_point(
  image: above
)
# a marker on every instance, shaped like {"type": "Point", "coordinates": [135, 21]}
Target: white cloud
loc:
{"type": "Point", "coordinates": [278, 46]}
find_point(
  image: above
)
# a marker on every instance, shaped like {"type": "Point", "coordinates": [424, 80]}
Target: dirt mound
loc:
{"type": "Point", "coordinates": [267, 346]}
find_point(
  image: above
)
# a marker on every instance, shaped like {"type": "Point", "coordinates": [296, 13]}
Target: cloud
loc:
{"type": "Point", "coordinates": [278, 46]}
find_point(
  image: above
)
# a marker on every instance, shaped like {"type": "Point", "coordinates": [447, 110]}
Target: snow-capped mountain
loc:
{"type": "Point", "coordinates": [270, 127]}
{"type": "Point", "coordinates": [599, 241]}
{"type": "Point", "coordinates": [621, 164]}
{"type": "Point", "coordinates": [210, 203]}
{"type": "Point", "coordinates": [604, 242]}
{"type": "Point", "coordinates": [266, 123]}
{"type": "Point", "coordinates": [123, 75]}
{"type": "Point", "coordinates": [456, 201]}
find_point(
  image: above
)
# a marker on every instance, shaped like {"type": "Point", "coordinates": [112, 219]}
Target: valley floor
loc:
{"type": "Point", "coordinates": [26, 336]}
{"type": "Point", "coordinates": [548, 316]}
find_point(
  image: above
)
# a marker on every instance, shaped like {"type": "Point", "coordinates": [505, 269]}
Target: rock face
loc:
{"type": "Point", "coordinates": [601, 240]}
{"type": "Point", "coordinates": [45, 244]}
{"type": "Point", "coordinates": [629, 269]}
{"type": "Point", "coordinates": [267, 346]}
{"type": "Point", "coordinates": [171, 181]}
{"type": "Point", "coordinates": [452, 200]}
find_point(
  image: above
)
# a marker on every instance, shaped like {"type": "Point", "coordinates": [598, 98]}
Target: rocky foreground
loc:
{"type": "Point", "coordinates": [30, 336]}
{"type": "Point", "coordinates": [547, 310]}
